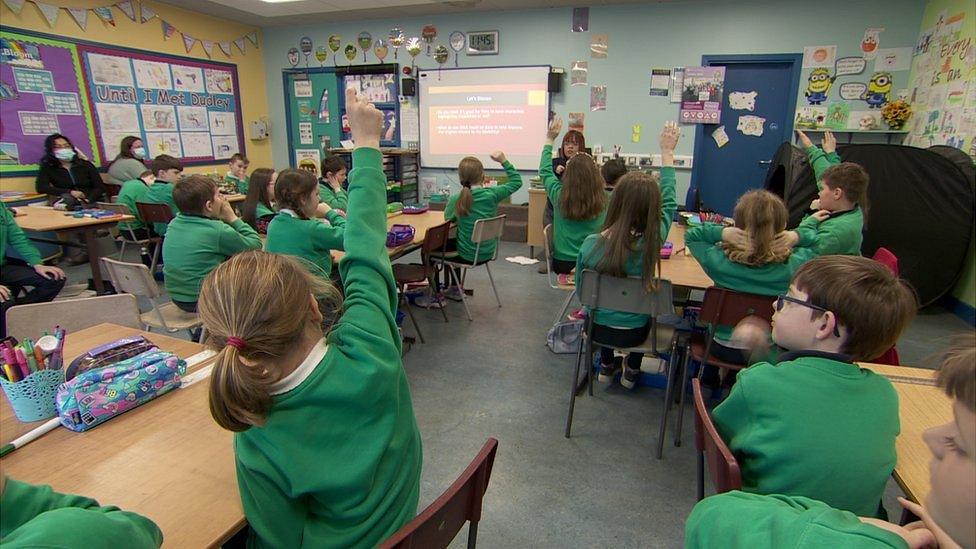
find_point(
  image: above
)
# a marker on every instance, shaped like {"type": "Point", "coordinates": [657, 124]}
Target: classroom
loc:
{"type": "Point", "coordinates": [310, 274]}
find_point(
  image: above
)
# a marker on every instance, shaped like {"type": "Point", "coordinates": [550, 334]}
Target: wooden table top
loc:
{"type": "Point", "coordinates": [44, 218]}
{"type": "Point", "coordinates": [17, 197]}
{"type": "Point", "coordinates": [167, 459]}
{"type": "Point", "coordinates": [921, 406]}
{"type": "Point", "coordinates": [681, 268]}
{"type": "Point", "coordinates": [235, 198]}
{"type": "Point", "coordinates": [420, 222]}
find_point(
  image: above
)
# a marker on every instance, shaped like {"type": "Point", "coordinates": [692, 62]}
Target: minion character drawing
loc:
{"type": "Point", "coordinates": [879, 90]}
{"type": "Point", "coordinates": [818, 84]}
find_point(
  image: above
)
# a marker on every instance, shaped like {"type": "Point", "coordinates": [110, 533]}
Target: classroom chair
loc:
{"type": "Point", "coordinates": [111, 190]}
{"type": "Point", "coordinates": [598, 291]}
{"type": "Point", "coordinates": [409, 273]}
{"type": "Point", "coordinates": [885, 257]}
{"type": "Point", "coordinates": [135, 279]}
{"type": "Point", "coordinates": [485, 230]}
{"type": "Point", "coordinates": [72, 314]}
{"type": "Point", "coordinates": [720, 307]}
{"type": "Point", "coordinates": [552, 277]}
{"type": "Point", "coordinates": [128, 235]}
{"type": "Point", "coordinates": [440, 522]}
{"type": "Point", "coordinates": [151, 213]}
{"type": "Point", "coordinates": [709, 446]}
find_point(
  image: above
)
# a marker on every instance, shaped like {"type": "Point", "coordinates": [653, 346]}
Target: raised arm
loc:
{"type": "Point", "coordinates": [514, 178]}
{"type": "Point", "coordinates": [549, 178]}
{"type": "Point", "coordinates": [669, 180]}
{"type": "Point", "coordinates": [820, 159]}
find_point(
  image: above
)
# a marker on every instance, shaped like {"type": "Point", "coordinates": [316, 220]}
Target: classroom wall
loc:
{"type": "Point", "coordinates": [149, 36]}
{"type": "Point", "coordinates": [641, 37]}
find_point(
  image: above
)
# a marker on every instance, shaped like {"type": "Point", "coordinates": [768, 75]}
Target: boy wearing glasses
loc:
{"type": "Point", "coordinates": [736, 519]}
{"type": "Point", "coordinates": [815, 424]}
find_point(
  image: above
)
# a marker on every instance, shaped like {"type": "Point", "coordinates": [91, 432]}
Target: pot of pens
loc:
{"type": "Point", "coordinates": [32, 372]}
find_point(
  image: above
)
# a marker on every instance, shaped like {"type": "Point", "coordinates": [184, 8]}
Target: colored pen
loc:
{"type": "Point", "coordinates": [22, 363]}
{"type": "Point", "coordinates": [11, 372]}
{"type": "Point", "coordinates": [39, 356]}
{"type": "Point", "coordinates": [8, 356]}
{"type": "Point", "coordinates": [31, 436]}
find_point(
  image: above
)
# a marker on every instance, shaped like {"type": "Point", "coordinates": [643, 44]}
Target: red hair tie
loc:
{"type": "Point", "coordinates": [237, 343]}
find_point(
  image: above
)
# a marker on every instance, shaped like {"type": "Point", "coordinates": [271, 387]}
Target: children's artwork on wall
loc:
{"type": "Point", "coordinates": [578, 73]}
{"type": "Point", "coordinates": [743, 101]}
{"type": "Point", "coordinates": [701, 97]}
{"type": "Point", "coordinates": [810, 117]}
{"type": "Point", "coordinates": [871, 42]}
{"type": "Point", "coordinates": [838, 112]}
{"type": "Point", "coordinates": [846, 66]}
{"type": "Point", "coordinates": [293, 58]}
{"type": "Point", "coordinates": [303, 88]}
{"type": "Point", "coordinates": [581, 20]}
{"type": "Point", "coordinates": [660, 82]}
{"type": "Point", "coordinates": [635, 133]}
{"type": "Point", "coordinates": [321, 55]}
{"type": "Point", "coordinates": [576, 121]}
{"type": "Point", "coordinates": [819, 83]}
{"type": "Point", "coordinates": [308, 159]}
{"type": "Point", "coordinates": [376, 88]}
{"type": "Point", "coordinates": [751, 125]}
{"type": "Point", "coordinates": [721, 138]}
{"type": "Point", "coordinates": [677, 81]}
{"type": "Point", "coordinates": [819, 56]}
{"type": "Point", "coordinates": [893, 59]}
{"type": "Point", "coordinates": [878, 90]}
{"type": "Point", "coordinates": [164, 143]}
{"type": "Point", "coordinates": [599, 46]}
{"type": "Point", "coordinates": [598, 98]}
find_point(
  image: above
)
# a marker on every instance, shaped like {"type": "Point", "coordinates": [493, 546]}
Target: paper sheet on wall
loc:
{"type": "Point", "coordinates": [635, 133]}
{"type": "Point", "coordinates": [871, 42]}
{"type": "Point", "coordinates": [660, 82]}
{"type": "Point", "coordinates": [751, 125]}
{"type": "Point", "coordinates": [677, 81]}
{"type": "Point", "coordinates": [409, 123]}
{"type": "Point", "coordinates": [303, 88]}
{"type": "Point", "coordinates": [743, 101]}
{"type": "Point", "coordinates": [576, 121]}
{"type": "Point", "coordinates": [893, 59]}
{"type": "Point", "coordinates": [599, 46]}
{"type": "Point", "coordinates": [305, 135]}
{"type": "Point", "coordinates": [307, 157]}
{"type": "Point", "coordinates": [819, 56]}
{"type": "Point", "coordinates": [598, 98]}
{"type": "Point", "coordinates": [721, 138]}
{"type": "Point", "coordinates": [578, 73]}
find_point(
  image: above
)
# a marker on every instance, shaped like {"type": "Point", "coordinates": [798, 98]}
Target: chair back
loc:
{"type": "Point", "coordinates": [722, 307]}
{"type": "Point", "coordinates": [885, 257]}
{"type": "Point", "coordinates": [154, 213]}
{"type": "Point", "coordinates": [435, 240]}
{"type": "Point", "coordinates": [489, 228]}
{"type": "Point", "coordinates": [440, 522]}
{"type": "Point", "coordinates": [722, 466]}
{"type": "Point", "coordinates": [114, 207]}
{"type": "Point", "coordinates": [627, 295]}
{"type": "Point", "coordinates": [131, 278]}
{"type": "Point", "coordinates": [112, 190]}
{"type": "Point", "coordinates": [73, 314]}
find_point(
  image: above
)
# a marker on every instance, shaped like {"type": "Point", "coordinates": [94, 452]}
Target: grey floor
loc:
{"type": "Point", "coordinates": [494, 377]}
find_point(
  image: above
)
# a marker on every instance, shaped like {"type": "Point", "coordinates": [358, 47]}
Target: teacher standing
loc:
{"type": "Point", "coordinates": [128, 165]}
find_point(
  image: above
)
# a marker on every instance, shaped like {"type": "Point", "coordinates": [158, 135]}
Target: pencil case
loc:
{"type": "Point", "coordinates": [32, 398]}
{"type": "Point", "coordinates": [96, 396]}
{"type": "Point", "coordinates": [103, 355]}
{"type": "Point", "coordinates": [398, 235]}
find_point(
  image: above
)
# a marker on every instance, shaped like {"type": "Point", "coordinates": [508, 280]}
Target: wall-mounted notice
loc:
{"type": "Point", "coordinates": [701, 95]}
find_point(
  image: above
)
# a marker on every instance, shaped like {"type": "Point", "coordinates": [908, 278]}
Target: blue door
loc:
{"type": "Point", "coordinates": [723, 174]}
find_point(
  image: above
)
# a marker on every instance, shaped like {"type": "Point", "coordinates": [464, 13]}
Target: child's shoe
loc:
{"type": "Point", "coordinates": [453, 293]}
{"type": "Point", "coordinates": [427, 302]}
{"type": "Point", "coordinates": [608, 371]}
{"type": "Point", "coordinates": [629, 378]}
{"type": "Point", "coordinates": [578, 314]}
{"type": "Point", "coordinates": [566, 280]}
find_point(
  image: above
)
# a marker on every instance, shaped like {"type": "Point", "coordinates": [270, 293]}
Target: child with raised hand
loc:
{"type": "Point", "coordinates": [258, 208]}
{"type": "Point", "coordinates": [330, 184]}
{"type": "Point", "coordinates": [296, 231]}
{"type": "Point", "coordinates": [638, 221]}
{"type": "Point", "coordinates": [842, 202]}
{"type": "Point", "coordinates": [742, 520]}
{"type": "Point", "coordinates": [327, 448]}
{"type": "Point", "coordinates": [579, 202]}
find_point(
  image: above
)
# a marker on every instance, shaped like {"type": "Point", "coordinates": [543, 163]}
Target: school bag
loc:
{"type": "Point", "coordinates": [565, 337]}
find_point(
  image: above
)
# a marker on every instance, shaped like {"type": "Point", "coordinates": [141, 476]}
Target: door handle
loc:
{"type": "Point", "coordinates": [765, 161]}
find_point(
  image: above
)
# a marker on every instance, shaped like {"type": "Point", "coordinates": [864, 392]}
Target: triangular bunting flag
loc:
{"type": "Point", "coordinates": [127, 8]}
{"type": "Point", "coordinates": [15, 5]}
{"type": "Point", "coordinates": [225, 47]}
{"type": "Point", "coordinates": [253, 37]}
{"type": "Point", "coordinates": [208, 47]}
{"type": "Point", "coordinates": [80, 16]}
{"type": "Point", "coordinates": [105, 14]}
{"type": "Point", "coordinates": [240, 44]}
{"type": "Point", "coordinates": [147, 13]}
{"type": "Point", "coordinates": [168, 30]}
{"type": "Point", "coordinates": [49, 12]}
{"type": "Point", "coordinates": [188, 41]}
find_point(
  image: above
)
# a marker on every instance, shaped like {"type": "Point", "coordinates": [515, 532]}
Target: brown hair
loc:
{"type": "Point", "coordinates": [238, 156]}
{"type": "Point", "coordinates": [470, 172]}
{"type": "Point", "coordinates": [257, 192]}
{"type": "Point", "coordinates": [572, 136]}
{"type": "Point", "coordinates": [582, 196]}
{"type": "Point", "coordinates": [762, 215]}
{"type": "Point", "coordinates": [125, 147]}
{"type": "Point", "coordinates": [957, 375]}
{"type": "Point", "coordinates": [869, 301]}
{"type": "Point", "coordinates": [612, 170]}
{"type": "Point", "coordinates": [165, 162]}
{"type": "Point", "coordinates": [852, 179]}
{"type": "Point", "coordinates": [333, 164]}
{"type": "Point", "coordinates": [291, 189]}
{"type": "Point", "coordinates": [191, 193]}
{"type": "Point", "coordinates": [634, 212]}
{"type": "Point", "coordinates": [262, 299]}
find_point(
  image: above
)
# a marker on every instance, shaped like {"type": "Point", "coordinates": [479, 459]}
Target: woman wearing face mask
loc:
{"type": "Point", "coordinates": [128, 165]}
{"type": "Point", "coordinates": [64, 172]}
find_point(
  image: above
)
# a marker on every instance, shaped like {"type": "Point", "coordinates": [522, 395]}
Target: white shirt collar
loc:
{"type": "Point", "coordinates": [288, 211]}
{"type": "Point", "coordinates": [303, 370]}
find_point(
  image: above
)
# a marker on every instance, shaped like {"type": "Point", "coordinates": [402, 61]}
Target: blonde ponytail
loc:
{"type": "Point", "coordinates": [256, 308]}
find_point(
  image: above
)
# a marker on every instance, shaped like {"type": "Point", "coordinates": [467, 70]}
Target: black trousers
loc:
{"type": "Point", "coordinates": [18, 276]}
{"type": "Point", "coordinates": [620, 338]}
{"type": "Point", "coordinates": [562, 267]}
{"type": "Point", "coordinates": [186, 306]}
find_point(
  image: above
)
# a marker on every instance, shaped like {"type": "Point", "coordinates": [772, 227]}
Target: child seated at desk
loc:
{"type": "Point", "coordinates": [37, 516]}
{"type": "Point", "coordinates": [236, 178]}
{"type": "Point", "coordinates": [205, 233]}
{"type": "Point", "coordinates": [739, 520]}
{"type": "Point", "coordinates": [258, 209]}
{"type": "Point", "coordinates": [132, 191]}
{"type": "Point", "coordinates": [166, 170]}
{"type": "Point", "coordinates": [330, 184]}
{"type": "Point", "coordinates": [842, 201]}
{"type": "Point", "coordinates": [814, 424]}
{"type": "Point", "coordinates": [326, 443]}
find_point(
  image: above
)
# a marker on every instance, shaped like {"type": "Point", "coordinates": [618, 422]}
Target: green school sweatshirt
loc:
{"type": "Point", "coordinates": [195, 245]}
{"type": "Point", "coordinates": [335, 199]}
{"type": "Point", "coordinates": [13, 236]}
{"type": "Point", "coordinates": [337, 462]}
{"type": "Point", "coordinates": [133, 191]}
{"type": "Point", "coordinates": [241, 184]}
{"type": "Point", "coordinates": [737, 520]}
{"type": "Point", "coordinates": [568, 234]}
{"type": "Point", "coordinates": [591, 253]}
{"type": "Point", "coordinates": [37, 516]}
{"type": "Point", "coordinates": [484, 205]}
{"type": "Point", "coordinates": [769, 279]}
{"type": "Point", "coordinates": [842, 232]}
{"type": "Point", "coordinates": [261, 210]}
{"type": "Point", "coordinates": [307, 239]}
{"type": "Point", "coordinates": [161, 192]}
{"type": "Point", "coordinates": [813, 425]}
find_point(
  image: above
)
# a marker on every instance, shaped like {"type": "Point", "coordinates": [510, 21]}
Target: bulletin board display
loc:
{"type": "Point", "coordinates": [97, 94]}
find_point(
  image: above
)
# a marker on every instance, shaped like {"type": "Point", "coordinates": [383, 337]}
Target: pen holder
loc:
{"type": "Point", "coordinates": [32, 398]}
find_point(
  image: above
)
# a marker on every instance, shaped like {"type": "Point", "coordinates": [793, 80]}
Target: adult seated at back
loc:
{"type": "Point", "coordinates": [65, 175]}
{"type": "Point", "coordinates": [128, 164]}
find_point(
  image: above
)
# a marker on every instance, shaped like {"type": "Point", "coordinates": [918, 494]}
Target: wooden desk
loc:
{"type": "Point", "coordinates": [921, 406]}
{"type": "Point", "coordinates": [22, 197]}
{"type": "Point", "coordinates": [235, 198]}
{"type": "Point", "coordinates": [43, 219]}
{"type": "Point", "coordinates": [167, 459]}
{"type": "Point", "coordinates": [683, 269]}
{"type": "Point", "coordinates": [420, 222]}
{"type": "Point", "coordinates": [537, 211]}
